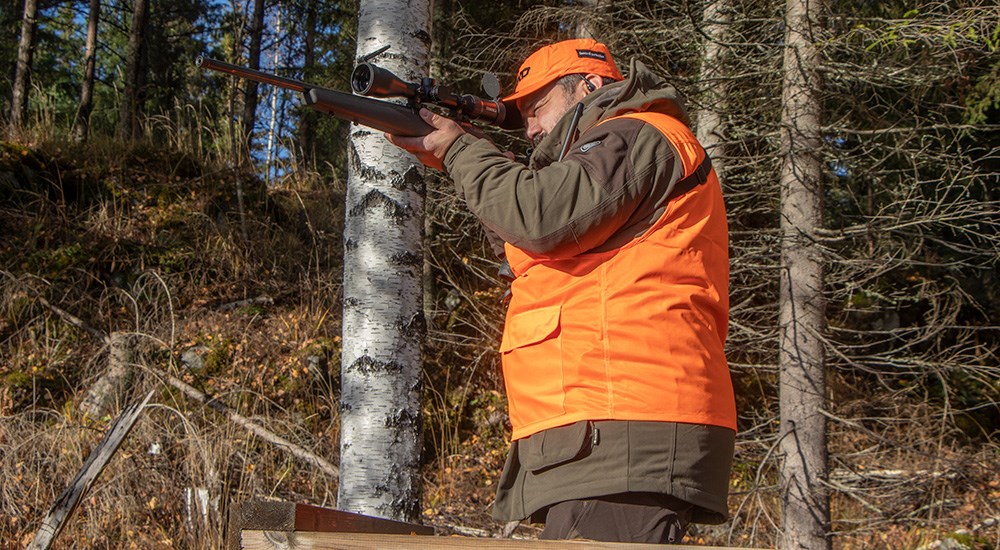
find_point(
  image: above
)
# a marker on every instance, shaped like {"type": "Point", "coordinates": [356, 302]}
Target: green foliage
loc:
{"type": "Point", "coordinates": [983, 100]}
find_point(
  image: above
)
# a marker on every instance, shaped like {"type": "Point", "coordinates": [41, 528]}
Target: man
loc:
{"type": "Point", "coordinates": [618, 388]}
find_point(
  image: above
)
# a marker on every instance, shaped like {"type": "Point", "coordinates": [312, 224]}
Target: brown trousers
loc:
{"type": "Point", "coordinates": [626, 517]}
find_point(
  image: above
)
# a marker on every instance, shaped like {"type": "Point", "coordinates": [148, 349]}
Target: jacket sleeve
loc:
{"type": "Point", "coordinates": [613, 179]}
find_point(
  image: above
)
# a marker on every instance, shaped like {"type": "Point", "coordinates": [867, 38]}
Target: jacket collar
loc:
{"type": "Point", "coordinates": [643, 91]}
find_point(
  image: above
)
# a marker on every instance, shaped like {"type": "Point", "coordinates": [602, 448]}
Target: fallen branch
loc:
{"type": "Point", "coordinates": [76, 321]}
{"type": "Point", "coordinates": [249, 425]}
{"type": "Point", "coordinates": [847, 477]}
{"type": "Point", "coordinates": [208, 401]}
{"type": "Point", "coordinates": [266, 300]}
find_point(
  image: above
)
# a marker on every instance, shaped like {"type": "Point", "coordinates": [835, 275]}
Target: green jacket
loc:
{"type": "Point", "coordinates": [613, 184]}
{"type": "Point", "coordinates": [564, 208]}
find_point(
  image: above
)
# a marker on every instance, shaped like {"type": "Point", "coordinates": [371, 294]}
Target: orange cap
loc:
{"type": "Point", "coordinates": [584, 55]}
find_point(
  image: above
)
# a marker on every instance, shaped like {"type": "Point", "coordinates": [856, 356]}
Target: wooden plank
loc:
{"type": "Point", "coordinates": [302, 540]}
{"type": "Point", "coordinates": [269, 515]}
{"type": "Point", "coordinates": [64, 506]}
{"type": "Point", "coordinates": [315, 518]}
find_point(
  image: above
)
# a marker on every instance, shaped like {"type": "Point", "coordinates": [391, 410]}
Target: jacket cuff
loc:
{"type": "Point", "coordinates": [461, 144]}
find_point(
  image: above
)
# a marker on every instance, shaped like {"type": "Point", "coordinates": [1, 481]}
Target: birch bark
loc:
{"type": "Point", "coordinates": [383, 322]}
{"type": "Point", "coordinates": [710, 130]}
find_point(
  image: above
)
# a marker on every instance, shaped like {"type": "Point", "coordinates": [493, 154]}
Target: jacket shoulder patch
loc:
{"type": "Point", "coordinates": [589, 145]}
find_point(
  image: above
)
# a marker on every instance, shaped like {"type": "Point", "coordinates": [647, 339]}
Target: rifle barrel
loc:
{"type": "Point", "coordinates": [251, 74]}
{"type": "Point", "coordinates": [381, 115]}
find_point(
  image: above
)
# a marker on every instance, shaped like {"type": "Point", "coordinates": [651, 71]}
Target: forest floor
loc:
{"type": "Point", "coordinates": [244, 306]}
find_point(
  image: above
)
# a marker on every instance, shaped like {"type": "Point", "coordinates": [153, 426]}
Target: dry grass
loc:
{"type": "Point", "coordinates": [148, 241]}
{"type": "Point", "coordinates": [143, 241]}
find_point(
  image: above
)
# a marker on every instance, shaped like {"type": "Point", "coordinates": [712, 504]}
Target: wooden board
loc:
{"type": "Point", "coordinates": [67, 502]}
{"type": "Point", "coordinates": [263, 515]}
{"type": "Point", "coordinates": [299, 540]}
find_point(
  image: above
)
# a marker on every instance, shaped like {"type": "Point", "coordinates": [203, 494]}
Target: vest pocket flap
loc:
{"type": "Point", "coordinates": [554, 446]}
{"type": "Point", "coordinates": [529, 327]}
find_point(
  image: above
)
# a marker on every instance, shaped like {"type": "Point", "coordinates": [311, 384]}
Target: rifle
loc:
{"type": "Point", "coordinates": [370, 80]}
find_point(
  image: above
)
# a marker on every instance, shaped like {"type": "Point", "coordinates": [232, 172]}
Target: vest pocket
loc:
{"type": "Point", "coordinates": [532, 365]}
{"type": "Point", "coordinates": [529, 327]}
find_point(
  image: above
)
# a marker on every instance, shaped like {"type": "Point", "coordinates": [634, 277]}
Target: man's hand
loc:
{"type": "Point", "coordinates": [431, 149]}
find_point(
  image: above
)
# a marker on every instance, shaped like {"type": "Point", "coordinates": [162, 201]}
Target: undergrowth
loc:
{"type": "Point", "coordinates": [245, 308]}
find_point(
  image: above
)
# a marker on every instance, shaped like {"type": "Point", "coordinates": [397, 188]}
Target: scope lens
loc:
{"type": "Point", "coordinates": [361, 79]}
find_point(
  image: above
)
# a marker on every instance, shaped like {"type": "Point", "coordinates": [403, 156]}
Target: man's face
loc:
{"type": "Point", "coordinates": [543, 109]}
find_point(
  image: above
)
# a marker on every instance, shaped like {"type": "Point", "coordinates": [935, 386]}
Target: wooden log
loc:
{"type": "Point", "coordinates": [305, 540]}
{"type": "Point", "coordinates": [276, 516]}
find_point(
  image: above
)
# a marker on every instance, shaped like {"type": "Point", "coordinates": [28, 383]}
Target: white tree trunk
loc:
{"type": "Point", "coordinates": [805, 497]}
{"type": "Point", "coordinates": [383, 323]}
{"type": "Point", "coordinates": [585, 27]}
{"type": "Point", "coordinates": [275, 90]}
{"type": "Point", "coordinates": [110, 389]}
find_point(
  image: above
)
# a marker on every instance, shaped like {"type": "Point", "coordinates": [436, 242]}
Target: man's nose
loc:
{"type": "Point", "coordinates": [532, 128]}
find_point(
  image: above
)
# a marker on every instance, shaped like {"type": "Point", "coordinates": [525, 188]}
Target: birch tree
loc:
{"type": "Point", "coordinates": [82, 126]}
{"type": "Point", "coordinates": [270, 152]}
{"type": "Point", "coordinates": [22, 71]}
{"type": "Point", "coordinates": [383, 322]}
{"type": "Point", "coordinates": [585, 23]}
{"type": "Point", "coordinates": [801, 317]}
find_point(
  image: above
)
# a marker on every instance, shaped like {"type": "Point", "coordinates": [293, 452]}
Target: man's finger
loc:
{"type": "Point", "coordinates": [437, 121]}
{"type": "Point", "coordinates": [407, 143]}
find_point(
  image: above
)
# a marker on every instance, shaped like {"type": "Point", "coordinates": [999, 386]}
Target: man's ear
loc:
{"type": "Point", "coordinates": [594, 81]}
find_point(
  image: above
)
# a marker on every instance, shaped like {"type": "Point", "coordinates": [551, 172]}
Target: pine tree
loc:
{"type": "Point", "coordinates": [22, 73]}
{"type": "Point", "coordinates": [802, 309]}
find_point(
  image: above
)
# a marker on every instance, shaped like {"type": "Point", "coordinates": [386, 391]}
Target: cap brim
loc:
{"type": "Point", "coordinates": [528, 90]}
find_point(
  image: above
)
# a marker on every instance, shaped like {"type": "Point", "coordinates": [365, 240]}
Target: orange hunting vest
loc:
{"type": "Point", "coordinates": [635, 333]}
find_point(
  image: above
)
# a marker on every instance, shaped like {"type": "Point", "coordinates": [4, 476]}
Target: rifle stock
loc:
{"type": "Point", "coordinates": [381, 115]}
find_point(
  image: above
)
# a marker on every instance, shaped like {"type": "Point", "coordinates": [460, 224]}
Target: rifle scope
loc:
{"type": "Point", "coordinates": [374, 81]}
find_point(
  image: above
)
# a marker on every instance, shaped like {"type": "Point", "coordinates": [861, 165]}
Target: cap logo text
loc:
{"type": "Point", "coordinates": [524, 72]}
{"type": "Point", "coordinates": [591, 54]}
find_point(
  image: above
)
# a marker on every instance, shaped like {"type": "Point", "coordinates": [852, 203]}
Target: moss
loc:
{"type": "Point", "coordinates": [968, 540]}
{"type": "Point", "coordinates": [220, 357]}
{"type": "Point", "coordinates": [18, 380]}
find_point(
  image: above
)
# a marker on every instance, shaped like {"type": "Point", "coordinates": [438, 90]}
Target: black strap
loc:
{"type": "Point", "coordinates": [696, 178]}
